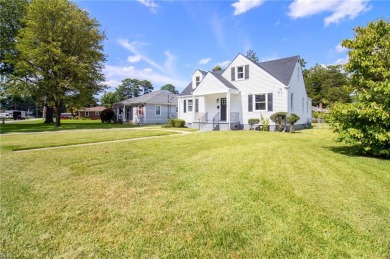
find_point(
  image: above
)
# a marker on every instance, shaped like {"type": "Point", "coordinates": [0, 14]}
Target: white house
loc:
{"type": "Point", "coordinates": [227, 99]}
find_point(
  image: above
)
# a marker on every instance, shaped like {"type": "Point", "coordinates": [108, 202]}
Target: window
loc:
{"type": "Point", "coordinates": [96, 113]}
{"type": "Point", "coordinates": [292, 101]}
{"type": "Point", "coordinates": [86, 114]}
{"type": "Point", "coordinates": [260, 102]}
{"type": "Point", "coordinates": [158, 110]}
{"type": "Point", "coordinates": [140, 109]}
{"type": "Point", "coordinates": [190, 104]}
{"type": "Point", "coordinates": [197, 80]}
{"type": "Point", "coordinates": [240, 72]}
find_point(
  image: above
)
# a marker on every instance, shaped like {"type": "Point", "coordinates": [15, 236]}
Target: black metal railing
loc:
{"type": "Point", "coordinates": [202, 118]}
{"type": "Point", "coordinates": [216, 120]}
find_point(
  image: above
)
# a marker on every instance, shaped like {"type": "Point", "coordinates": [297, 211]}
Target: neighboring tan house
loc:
{"type": "Point", "coordinates": [227, 99]}
{"type": "Point", "coordinates": [152, 108]}
{"type": "Point", "coordinates": [92, 113]}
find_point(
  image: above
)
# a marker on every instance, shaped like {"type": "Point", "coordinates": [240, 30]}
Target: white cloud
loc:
{"type": "Point", "coordinates": [115, 74]}
{"type": "Point", "coordinates": [341, 61]}
{"type": "Point", "coordinates": [339, 9]}
{"type": "Point", "coordinates": [152, 5]}
{"type": "Point", "coordinates": [243, 6]}
{"type": "Point", "coordinates": [204, 61]}
{"type": "Point", "coordinates": [340, 48]}
{"type": "Point", "coordinates": [223, 64]}
{"type": "Point", "coordinates": [134, 59]}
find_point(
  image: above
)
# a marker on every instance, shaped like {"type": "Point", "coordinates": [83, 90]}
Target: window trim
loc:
{"type": "Point", "coordinates": [265, 102]}
{"type": "Point", "coordinates": [188, 105]}
{"type": "Point", "coordinates": [159, 110]}
{"type": "Point", "coordinates": [238, 73]}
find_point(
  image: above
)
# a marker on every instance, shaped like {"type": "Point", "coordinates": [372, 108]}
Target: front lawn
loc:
{"type": "Point", "coordinates": [241, 194]}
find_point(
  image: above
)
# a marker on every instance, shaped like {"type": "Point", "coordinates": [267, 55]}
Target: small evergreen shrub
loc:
{"type": "Point", "coordinates": [292, 119]}
{"type": "Point", "coordinates": [253, 121]}
{"type": "Point", "coordinates": [171, 122]}
{"type": "Point", "coordinates": [179, 123]}
{"type": "Point", "coordinates": [279, 118]}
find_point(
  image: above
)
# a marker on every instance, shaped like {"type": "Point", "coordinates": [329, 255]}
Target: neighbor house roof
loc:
{"type": "Point", "coordinates": [93, 109]}
{"type": "Point", "coordinates": [155, 97]}
{"type": "Point", "coordinates": [282, 69]}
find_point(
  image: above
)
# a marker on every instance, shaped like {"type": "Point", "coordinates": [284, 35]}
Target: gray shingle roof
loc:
{"type": "Point", "coordinates": [187, 90]}
{"type": "Point", "coordinates": [223, 80]}
{"type": "Point", "coordinates": [281, 69]}
{"type": "Point", "coordinates": [155, 97]}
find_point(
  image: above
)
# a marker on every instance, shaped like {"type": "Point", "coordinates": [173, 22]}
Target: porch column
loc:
{"type": "Point", "coordinates": [228, 109]}
{"type": "Point", "coordinates": [193, 108]}
{"type": "Point", "coordinates": [124, 112]}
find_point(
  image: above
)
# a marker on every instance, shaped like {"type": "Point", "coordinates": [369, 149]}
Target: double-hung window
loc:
{"type": "Point", "coordinates": [260, 102]}
{"type": "Point", "coordinates": [197, 80]}
{"type": "Point", "coordinates": [190, 104]}
{"type": "Point", "coordinates": [158, 110]}
{"type": "Point", "coordinates": [240, 72]}
{"type": "Point", "coordinates": [86, 114]}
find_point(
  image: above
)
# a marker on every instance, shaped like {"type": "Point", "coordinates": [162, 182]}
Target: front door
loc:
{"type": "Point", "coordinates": [223, 109]}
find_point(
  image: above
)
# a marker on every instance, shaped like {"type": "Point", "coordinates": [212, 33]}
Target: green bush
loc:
{"type": "Point", "coordinates": [171, 122]}
{"type": "Point", "coordinates": [179, 123]}
{"type": "Point", "coordinates": [292, 119]}
{"type": "Point", "coordinates": [264, 123]}
{"type": "Point", "coordinates": [279, 117]}
{"type": "Point", "coordinates": [253, 121]}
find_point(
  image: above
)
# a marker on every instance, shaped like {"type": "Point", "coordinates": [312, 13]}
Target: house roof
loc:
{"type": "Point", "coordinates": [155, 97]}
{"type": "Point", "coordinates": [224, 81]}
{"type": "Point", "coordinates": [187, 90]}
{"type": "Point", "coordinates": [93, 109]}
{"type": "Point", "coordinates": [282, 69]}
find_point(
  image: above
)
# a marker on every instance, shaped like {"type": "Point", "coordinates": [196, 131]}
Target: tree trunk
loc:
{"type": "Point", "coordinates": [58, 106]}
{"type": "Point", "coordinates": [49, 114]}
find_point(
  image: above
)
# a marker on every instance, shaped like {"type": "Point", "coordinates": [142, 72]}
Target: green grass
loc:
{"type": "Point", "coordinates": [240, 194]}
{"type": "Point", "coordinates": [37, 125]}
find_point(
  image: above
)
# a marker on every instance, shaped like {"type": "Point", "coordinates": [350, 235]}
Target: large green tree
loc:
{"type": "Point", "coordinates": [60, 53]}
{"type": "Point", "coordinates": [170, 88]}
{"type": "Point", "coordinates": [327, 84]}
{"type": "Point", "coordinates": [366, 122]}
{"type": "Point", "coordinates": [109, 98]}
{"type": "Point", "coordinates": [131, 87]}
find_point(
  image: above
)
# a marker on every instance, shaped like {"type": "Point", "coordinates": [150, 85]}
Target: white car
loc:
{"type": "Point", "coordinates": [4, 115]}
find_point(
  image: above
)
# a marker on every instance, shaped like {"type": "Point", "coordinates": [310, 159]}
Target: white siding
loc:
{"type": "Point", "coordinates": [297, 87]}
{"type": "Point", "coordinates": [210, 85]}
{"type": "Point", "coordinates": [196, 74]}
{"type": "Point", "coordinates": [259, 82]}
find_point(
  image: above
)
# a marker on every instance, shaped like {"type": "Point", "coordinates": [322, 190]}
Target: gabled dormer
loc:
{"type": "Point", "coordinates": [197, 77]}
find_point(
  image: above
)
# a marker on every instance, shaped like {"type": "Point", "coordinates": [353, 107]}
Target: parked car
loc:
{"type": "Point", "coordinates": [4, 115]}
{"type": "Point", "coordinates": [66, 115]}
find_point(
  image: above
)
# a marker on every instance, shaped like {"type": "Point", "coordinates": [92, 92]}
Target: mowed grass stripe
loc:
{"type": "Point", "coordinates": [64, 139]}
{"type": "Point", "coordinates": [238, 194]}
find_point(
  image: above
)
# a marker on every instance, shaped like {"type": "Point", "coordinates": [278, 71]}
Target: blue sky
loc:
{"type": "Point", "coordinates": [165, 41]}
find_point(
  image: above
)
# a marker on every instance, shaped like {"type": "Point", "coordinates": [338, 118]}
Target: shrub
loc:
{"type": "Point", "coordinates": [279, 117]}
{"type": "Point", "coordinates": [292, 119]}
{"type": "Point", "coordinates": [171, 122]}
{"type": "Point", "coordinates": [264, 123]}
{"type": "Point", "coordinates": [179, 123]}
{"type": "Point", "coordinates": [252, 122]}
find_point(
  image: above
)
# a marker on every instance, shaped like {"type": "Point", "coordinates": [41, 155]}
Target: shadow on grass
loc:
{"type": "Point", "coordinates": [352, 151]}
{"type": "Point", "coordinates": [66, 125]}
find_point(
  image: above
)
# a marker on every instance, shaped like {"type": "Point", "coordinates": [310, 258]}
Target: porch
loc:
{"type": "Point", "coordinates": [205, 123]}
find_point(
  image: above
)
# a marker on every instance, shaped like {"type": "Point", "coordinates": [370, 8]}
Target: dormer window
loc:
{"type": "Point", "coordinates": [197, 80]}
{"type": "Point", "coordinates": [240, 72]}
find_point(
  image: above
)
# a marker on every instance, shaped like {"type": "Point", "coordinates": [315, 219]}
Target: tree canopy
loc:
{"type": "Point", "coordinates": [251, 54]}
{"type": "Point", "coordinates": [131, 87]}
{"type": "Point", "coordinates": [217, 68]}
{"type": "Point", "coordinates": [170, 88]}
{"type": "Point", "coordinates": [327, 84]}
{"type": "Point", "coordinates": [60, 53]}
{"type": "Point", "coordinates": [109, 98]}
{"type": "Point", "coordinates": [366, 122]}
